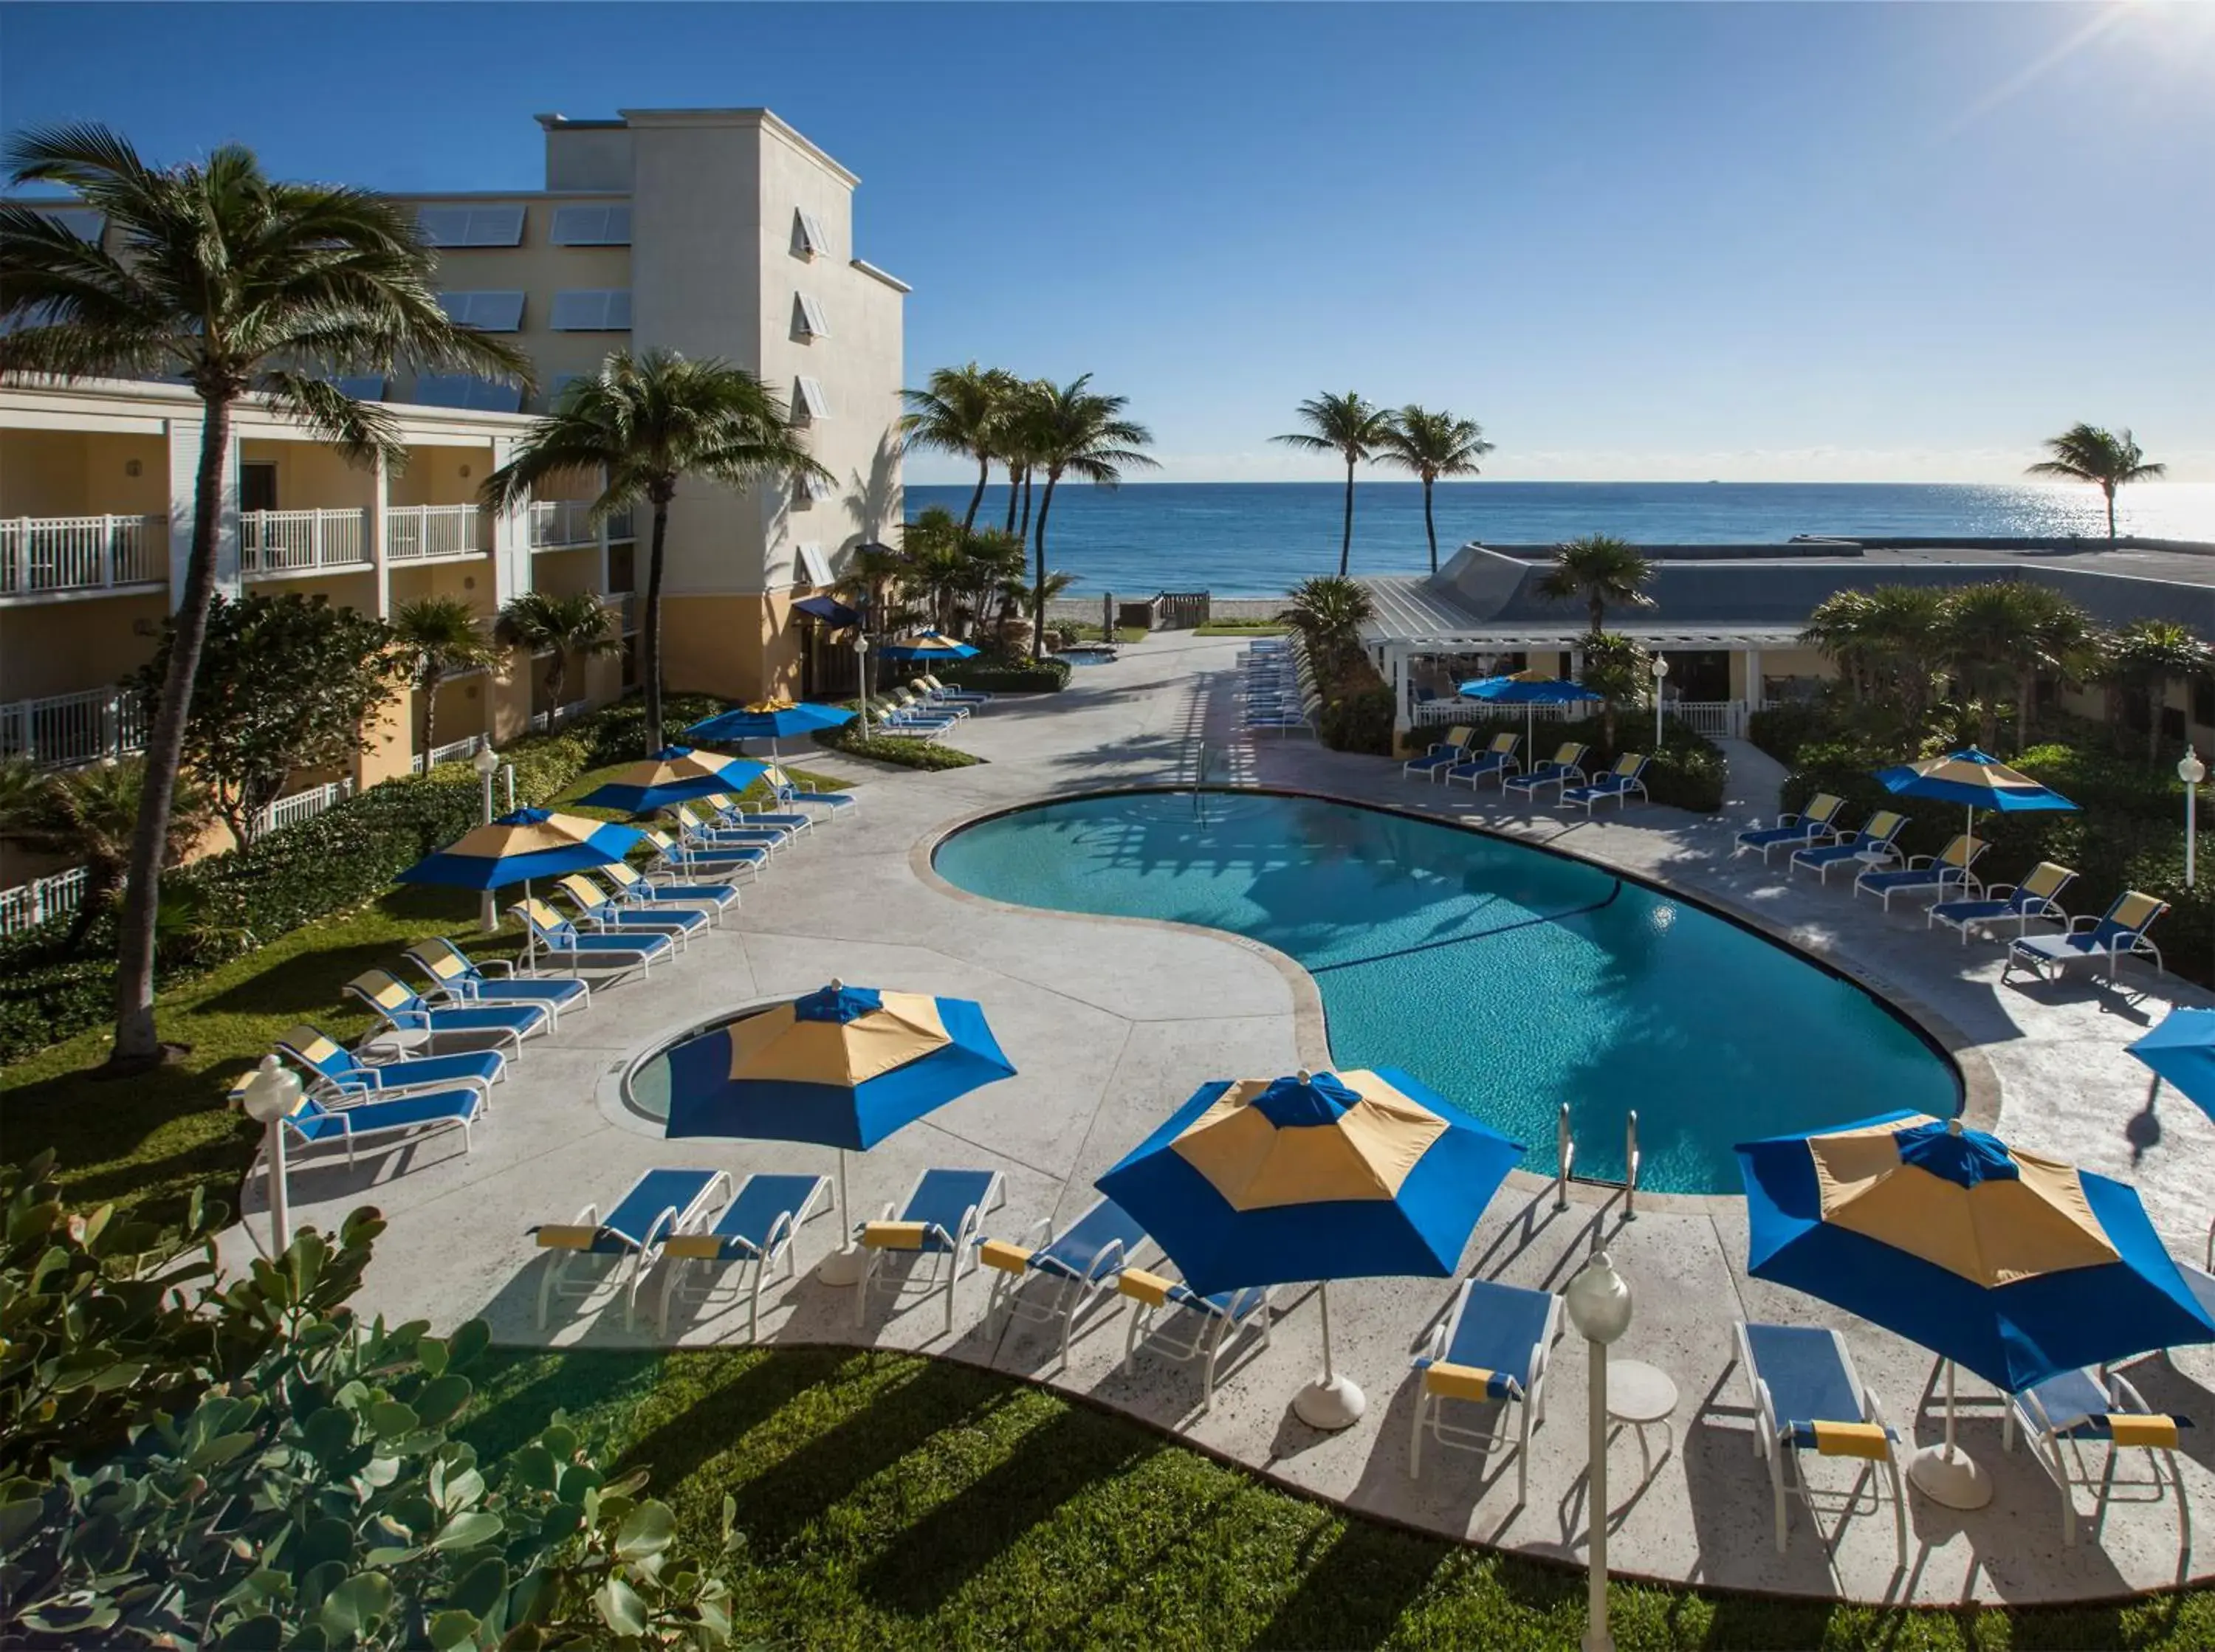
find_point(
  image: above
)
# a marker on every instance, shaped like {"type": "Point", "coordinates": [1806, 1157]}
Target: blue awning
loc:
{"type": "Point", "coordinates": [829, 610]}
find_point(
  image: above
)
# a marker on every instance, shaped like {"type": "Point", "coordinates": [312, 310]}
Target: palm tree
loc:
{"type": "Point", "coordinates": [2145, 657]}
{"type": "Point", "coordinates": [958, 411]}
{"type": "Point", "coordinates": [240, 284]}
{"type": "Point", "coordinates": [1079, 433]}
{"type": "Point", "coordinates": [1328, 611]}
{"type": "Point", "coordinates": [90, 815]}
{"type": "Point", "coordinates": [1351, 428]}
{"type": "Point", "coordinates": [1597, 570]}
{"type": "Point", "coordinates": [436, 637]}
{"type": "Point", "coordinates": [1620, 671]}
{"type": "Point", "coordinates": [580, 625]}
{"type": "Point", "coordinates": [633, 429]}
{"type": "Point", "coordinates": [1431, 445]}
{"type": "Point", "coordinates": [2085, 453]}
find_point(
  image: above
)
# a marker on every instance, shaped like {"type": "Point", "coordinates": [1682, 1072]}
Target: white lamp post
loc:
{"type": "Point", "coordinates": [861, 676]}
{"type": "Point", "coordinates": [2190, 771]}
{"type": "Point", "coordinates": [270, 1096]}
{"type": "Point", "coordinates": [485, 762]}
{"type": "Point", "coordinates": [1600, 1307]}
{"type": "Point", "coordinates": [1660, 670]}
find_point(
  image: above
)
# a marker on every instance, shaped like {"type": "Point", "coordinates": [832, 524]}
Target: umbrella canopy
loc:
{"type": "Point", "coordinates": [529, 843]}
{"type": "Point", "coordinates": [1528, 689]}
{"type": "Point", "coordinates": [1321, 1176]}
{"type": "Point", "coordinates": [769, 719]}
{"type": "Point", "coordinates": [2182, 1049]}
{"type": "Point", "coordinates": [843, 1066]}
{"type": "Point", "coordinates": [929, 646]}
{"type": "Point", "coordinates": [672, 774]}
{"type": "Point", "coordinates": [2015, 1266]}
{"type": "Point", "coordinates": [1976, 779]}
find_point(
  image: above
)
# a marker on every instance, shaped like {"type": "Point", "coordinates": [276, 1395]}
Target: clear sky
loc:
{"type": "Point", "coordinates": [1854, 241]}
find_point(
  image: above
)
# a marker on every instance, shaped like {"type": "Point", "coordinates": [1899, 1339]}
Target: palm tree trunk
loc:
{"type": "Point", "coordinates": [2026, 687]}
{"type": "Point", "coordinates": [1346, 539]}
{"type": "Point", "coordinates": [2108, 488]}
{"type": "Point", "coordinates": [1026, 498]}
{"type": "Point", "coordinates": [1430, 526]}
{"type": "Point", "coordinates": [650, 628]}
{"type": "Point", "coordinates": [2157, 696]}
{"type": "Point", "coordinates": [136, 1044]}
{"type": "Point", "coordinates": [432, 676]}
{"type": "Point", "coordinates": [1595, 607]}
{"type": "Point", "coordinates": [1011, 495]}
{"type": "Point", "coordinates": [984, 475]}
{"type": "Point", "coordinates": [1038, 592]}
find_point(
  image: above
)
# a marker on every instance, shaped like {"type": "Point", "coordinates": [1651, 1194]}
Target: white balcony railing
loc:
{"type": "Point", "coordinates": [52, 553]}
{"type": "Point", "coordinates": [41, 899]}
{"type": "Point", "coordinates": [558, 524]}
{"type": "Point", "coordinates": [619, 524]}
{"type": "Point", "coordinates": [1717, 719]}
{"type": "Point", "coordinates": [568, 710]}
{"type": "Point", "coordinates": [303, 805]}
{"type": "Point", "coordinates": [453, 751]}
{"type": "Point", "coordinates": [64, 729]}
{"type": "Point", "coordinates": [414, 531]}
{"type": "Point", "coordinates": [294, 541]}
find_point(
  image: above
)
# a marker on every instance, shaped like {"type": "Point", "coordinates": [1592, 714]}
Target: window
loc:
{"type": "Point", "coordinates": [462, 390]}
{"type": "Point", "coordinates": [808, 403]}
{"type": "Point", "coordinates": [485, 312]}
{"type": "Point", "coordinates": [811, 489]}
{"type": "Point", "coordinates": [82, 222]}
{"type": "Point", "coordinates": [369, 388]}
{"type": "Point", "coordinates": [592, 309]}
{"type": "Point", "coordinates": [560, 382]}
{"type": "Point", "coordinates": [807, 237]}
{"type": "Point", "coordinates": [592, 226]}
{"type": "Point", "coordinates": [809, 317]}
{"type": "Point", "coordinates": [471, 226]}
{"type": "Point", "coordinates": [814, 564]}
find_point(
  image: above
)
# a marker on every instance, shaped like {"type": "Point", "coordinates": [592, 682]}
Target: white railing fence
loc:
{"type": "Point", "coordinates": [45, 553]}
{"type": "Point", "coordinates": [64, 729]}
{"type": "Point", "coordinates": [1715, 719]}
{"type": "Point", "coordinates": [286, 542]}
{"type": "Point", "coordinates": [303, 805]}
{"type": "Point", "coordinates": [546, 722]}
{"type": "Point", "coordinates": [555, 523]}
{"type": "Point", "coordinates": [42, 899]}
{"type": "Point", "coordinates": [1433, 713]}
{"type": "Point", "coordinates": [1718, 720]}
{"type": "Point", "coordinates": [453, 751]}
{"type": "Point", "coordinates": [413, 531]}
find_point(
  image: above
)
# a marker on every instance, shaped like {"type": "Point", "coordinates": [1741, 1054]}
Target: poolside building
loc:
{"type": "Point", "coordinates": [1728, 617]}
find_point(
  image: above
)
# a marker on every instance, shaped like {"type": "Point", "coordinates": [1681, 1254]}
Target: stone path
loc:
{"type": "Point", "coordinates": [1113, 1023]}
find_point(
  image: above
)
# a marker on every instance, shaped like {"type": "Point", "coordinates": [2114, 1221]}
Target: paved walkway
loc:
{"type": "Point", "coordinates": [1104, 1019]}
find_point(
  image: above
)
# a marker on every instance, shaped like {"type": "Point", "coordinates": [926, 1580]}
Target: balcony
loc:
{"type": "Point", "coordinates": [42, 556]}
{"type": "Point", "coordinates": [415, 533]}
{"type": "Point", "coordinates": [275, 542]}
{"type": "Point", "coordinates": [566, 524]}
{"type": "Point", "coordinates": [64, 730]}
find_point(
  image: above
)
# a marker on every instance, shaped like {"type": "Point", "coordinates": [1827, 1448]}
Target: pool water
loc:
{"type": "Point", "coordinates": [1508, 979]}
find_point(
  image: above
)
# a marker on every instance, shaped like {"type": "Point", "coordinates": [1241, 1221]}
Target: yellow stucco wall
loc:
{"type": "Point", "coordinates": [82, 473]}
{"type": "Point", "coordinates": [64, 647]}
{"type": "Point", "coordinates": [743, 647]}
{"type": "Point", "coordinates": [311, 476]}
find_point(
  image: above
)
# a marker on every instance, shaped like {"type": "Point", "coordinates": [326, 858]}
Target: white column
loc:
{"type": "Point", "coordinates": [184, 477]}
{"type": "Point", "coordinates": [1403, 686]}
{"type": "Point", "coordinates": [380, 498]}
{"type": "Point", "coordinates": [1754, 696]}
{"type": "Point", "coordinates": [511, 539]}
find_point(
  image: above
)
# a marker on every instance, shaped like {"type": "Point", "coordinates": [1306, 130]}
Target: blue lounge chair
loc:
{"type": "Point", "coordinates": [938, 690]}
{"type": "Point", "coordinates": [628, 1240]}
{"type": "Point", "coordinates": [1443, 755]}
{"type": "Point", "coordinates": [2074, 1410]}
{"type": "Point", "coordinates": [1807, 1396]}
{"type": "Point", "coordinates": [725, 864]}
{"type": "Point", "coordinates": [457, 978]}
{"type": "Point", "coordinates": [632, 888]}
{"type": "Point", "coordinates": [709, 831]}
{"type": "Point", "coordinates": [1870, 847]}
{"type": "Point", "coordinates": [562, 942]}
{"type": "Point", "coordinates": [920, 706]}
{"type": "Point", "coordinates": [415, 1021]}
{"type": "Point", "coordinates": [2114, 935]}
{"type": "Point", "coordinates": [794, 794]}
{"type": "Point", "coordinates": [1628, 775]}
{"type": "Point", "coordinates": [1078, 1265]}
{"type": "Point", "coordinates": [1943, 874]}
{"type": "Point", "coordinates": [2039, 896]}
{"type": "Point", "coordinates": [938, 1218]}
{"type": "Point", "coordinates": [1817, 823]}
{"type": "Point", "coordinates": [1172, 1318]}
{"type": "Point", "coordinates": [734, 813]}
{"type": "Point", "coordinates": [755, 1231]}
{"type": "Point", "coordinates": [416, 1112]}
{"type": "Point", "coordinates": [1496, 761]}
{"type": "Point", "coordinates": [608, 916]}
{"type": "Point", "coordinates": [1491, 1349]}
{"type": "Point", "coordinates": [336, 1074]}
{"type": "Point", "coordinates": [1565, 764]}
{"type": "Point", "coordinates": [898, 728]}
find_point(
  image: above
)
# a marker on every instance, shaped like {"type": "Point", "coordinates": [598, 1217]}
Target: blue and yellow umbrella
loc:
{"type": "Point", "coordinates": [1974, 778]}
{"type": "Point", "coordinates": [519, 846]}
{"type": "Point", "coordinates": [2182, 1049]}
{"type": "Point", "coordinates": [1528, 689]}
{"type": "Point", "coordinates": [929, 646]}
{"type": "Point", "coordinates": [672, 774]}
{"type": "Point", "coordinates": [771, 720]}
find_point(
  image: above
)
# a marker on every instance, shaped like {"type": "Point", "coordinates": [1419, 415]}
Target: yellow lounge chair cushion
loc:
{"type": "Point", "coordinates": [2128, 1429]}
{"type": "Point", "coordinates": [1150, 1288]}
{"type": "Point", "coordinates": [894, 1235]}
{"type": "Point", "coordinates": [706, 1246]}
{"type": "Point", "coordinates": [1008, 1259]}
{"type": "Point", "coordinates": [1852, 1440]}
{"type": "Point", "coordinates": [1452, 1381]}
{"type": "Point", "coordinates": [567, 1236]}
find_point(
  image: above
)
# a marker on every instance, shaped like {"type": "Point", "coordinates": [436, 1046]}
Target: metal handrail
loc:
{"type": "Point", "coordinates": [1565, 1148]}
{"type": "Point", "coordinates": [1631, 1166]}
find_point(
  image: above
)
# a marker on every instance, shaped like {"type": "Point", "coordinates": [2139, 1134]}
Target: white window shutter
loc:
{"type": "Point", "coordinates": [809, 400]}
{"type": "Point", "coordinates": [811, 317]}
{"type": "Point", "coordinates": [814, 564]}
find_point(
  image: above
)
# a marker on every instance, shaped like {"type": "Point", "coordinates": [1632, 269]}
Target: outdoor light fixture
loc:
{"type": "Point", "coordinates": [1660, 670]}
{"type": "Point", "coordinates": [1598, 1300]}
{"type": "Point", "coordinates": [487, 763]}
{"type": "Point", "coordinates": [861, 674]}
{"type": "Point", "coordinates": [269, 1098]}
{"type": "Point", "coordinates": [2190, 771]}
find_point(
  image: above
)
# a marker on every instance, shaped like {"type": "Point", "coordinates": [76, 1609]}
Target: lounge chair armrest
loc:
{"type": "Point", "coordinates": [1916, 862]}
{"type": "Point", "coordinates": [2082, 921]}
{"type": "Point", "coordinates": [1999, 891]}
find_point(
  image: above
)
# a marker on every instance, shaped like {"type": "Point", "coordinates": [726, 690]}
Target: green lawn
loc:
{"type": "Point", "coordinates": [1241, 628]}
{"type": "Point", "coordinates": [890, 1500]}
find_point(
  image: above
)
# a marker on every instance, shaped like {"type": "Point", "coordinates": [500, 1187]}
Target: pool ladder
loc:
{"type": "Point", "coordinates": [1565, 1158]}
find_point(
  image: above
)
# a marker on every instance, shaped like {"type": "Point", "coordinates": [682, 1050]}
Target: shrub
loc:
{"type": "Point", "coordinates": [1014, 675]}
{"type": "Point", "coordinates": [1359, 721]}
{"type": "Point", "coordinates": [1780, 730]}
{"type": "Point", "coordinates": [904, 753]}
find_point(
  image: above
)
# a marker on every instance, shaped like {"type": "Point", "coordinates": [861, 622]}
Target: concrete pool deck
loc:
{"type": "Point", "coordinates": [1113, 1023]}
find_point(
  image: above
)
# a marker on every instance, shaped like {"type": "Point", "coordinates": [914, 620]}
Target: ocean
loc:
{"type": "Point", "coordinates": [1255, 539]}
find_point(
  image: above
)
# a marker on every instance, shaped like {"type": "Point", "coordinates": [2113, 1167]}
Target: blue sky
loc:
{"type": "Point", "coordinates": [1805, 242]}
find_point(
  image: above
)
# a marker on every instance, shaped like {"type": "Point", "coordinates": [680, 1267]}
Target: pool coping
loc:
{"type": "Point", "coordinates": [1979, 1082]}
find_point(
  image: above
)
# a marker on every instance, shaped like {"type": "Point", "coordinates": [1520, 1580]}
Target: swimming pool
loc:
{"type": "Point", "coordinates": [1509, 979]}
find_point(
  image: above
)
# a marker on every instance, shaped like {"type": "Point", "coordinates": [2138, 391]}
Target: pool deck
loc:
{"type": "Point", "coordinates": [1111, 1022]}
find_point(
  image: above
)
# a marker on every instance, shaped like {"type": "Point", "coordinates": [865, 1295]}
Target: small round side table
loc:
{"type": "Point", "coordinates": [1644, 1397]}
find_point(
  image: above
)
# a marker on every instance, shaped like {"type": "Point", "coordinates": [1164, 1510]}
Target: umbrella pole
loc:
{"type": "Point", "coordinates": [1945, 1474]}
{"type": "Point", "coordinates": [1330, 1401]}
{"type": "Point", "coordinates": [844, 1265]}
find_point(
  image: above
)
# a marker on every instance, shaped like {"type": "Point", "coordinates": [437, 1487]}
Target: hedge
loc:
{"type": "Point", "coordinates": [989, 674]}
{"type": "Point", "coordinates": [901, 751]}
{"type": "Point", "coordinates": [1688, 773]}
{"type": "Point", "coordinates": [334, 861]}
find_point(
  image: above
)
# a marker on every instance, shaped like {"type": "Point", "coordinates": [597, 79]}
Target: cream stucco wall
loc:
{"type": "Point", "coordinates": [312, 475]}
{"type": "Point", "coordinates": [64, 472]}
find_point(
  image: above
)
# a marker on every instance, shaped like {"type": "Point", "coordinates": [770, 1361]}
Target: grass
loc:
{"type": "Point", "coordinates": [904, 752]}
{"type": "Point", "coordinates": [1084, 633]}
{"type": "Point", "coordinates": [890, 1500]}
{"type": "Point", "coordinates": [145, 1144]}
{"type": "Point", "coordinates": [1241, 628]}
